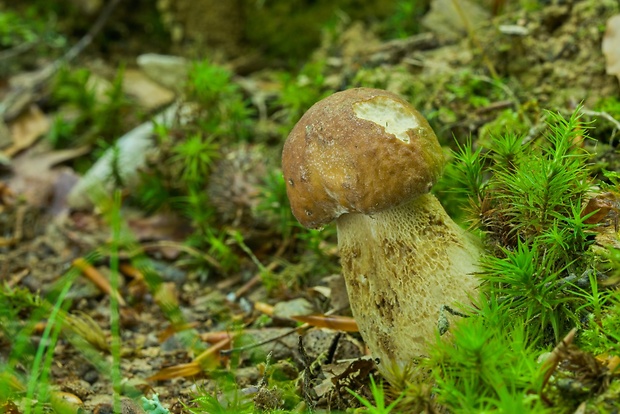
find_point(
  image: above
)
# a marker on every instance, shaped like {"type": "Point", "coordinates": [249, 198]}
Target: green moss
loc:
{"type": "Point", "coordinates": [526, 198]}
{"type": "Point", "coordinates": [487, 367]}
{"type": "Point", "coordinates": [542, 276]}
{"type": "Point", "coordinates": [86, 117]}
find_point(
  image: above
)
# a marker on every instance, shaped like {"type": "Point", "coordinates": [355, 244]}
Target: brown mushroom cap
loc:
{"type": "Point", "coordinates": [361, 150]}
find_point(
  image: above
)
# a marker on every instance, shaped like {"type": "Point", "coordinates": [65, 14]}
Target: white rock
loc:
{"type": "Point", "coordinates": [123, 161]}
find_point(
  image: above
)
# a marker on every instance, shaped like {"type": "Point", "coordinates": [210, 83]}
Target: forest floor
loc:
{"type": "Point", "coordinates": [180, 244]}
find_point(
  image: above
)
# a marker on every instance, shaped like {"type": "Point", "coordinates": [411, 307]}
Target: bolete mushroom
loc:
{"type": "Point", "coordinates": [367, 159]}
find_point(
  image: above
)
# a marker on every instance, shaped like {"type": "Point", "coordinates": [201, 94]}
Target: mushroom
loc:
{"type": "Point", "coordinates": [367, 159]}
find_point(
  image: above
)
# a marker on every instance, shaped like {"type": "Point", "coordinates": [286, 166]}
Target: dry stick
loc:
{"type": "Point", "coordinates": [255, 280]}
{"type": "Point", "coordinates": [257, 277]}
{"type": "Point", "coordinates": [603, 115]}
{"type": "Point", "coordinates": [298, 329]}
{"type": "Point", "coordinates": [494, 106]}
{"type": "Point", "coordinates": [16, 278]}
{"type": "Point", "coordinates": [16, 51]}
{"type": "Point", "coordinates": [552, 361]}
{"type": "Point", "coordinates": [88, 38]}
{"type": "Point", "coordinates": [20, 214]}
{"type": "Point", "coordinates": [511, 96]}
{"type": "Point", "coordinates": [14, 102]}
{"type": "Point", "coordinates": [187, 249]}
{"type": "Point", "coordinates": [607, 117]}
{"type": "Point", "coordinates": [229, 282]}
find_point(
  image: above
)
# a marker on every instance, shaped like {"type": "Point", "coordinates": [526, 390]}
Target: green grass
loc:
{"type": "Point", "coordinates": [38, 379]}
{"type": "Point", "coordinates": [35, 388]}
{"type": "Point", "coordinates": [115, 331]}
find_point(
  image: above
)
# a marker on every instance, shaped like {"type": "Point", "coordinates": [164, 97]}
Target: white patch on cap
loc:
{"type": "Point", "coordinates": [392, 115]}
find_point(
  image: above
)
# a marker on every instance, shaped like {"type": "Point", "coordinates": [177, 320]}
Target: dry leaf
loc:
{"type": "Point", "coordinates": [26, 128]}
{"type": "Point", "coordinates": [190, 369]}
{"type": "Point", "coordinates": [173, 329]}
{"type": "Point", "coordinates": [207, 360]}
{"type": "Point", "coordinates": [99, 280]}
{"type": "Point", "coordinates": [35, 179]}
{"type": "Point", "coordinates": [148, 93]}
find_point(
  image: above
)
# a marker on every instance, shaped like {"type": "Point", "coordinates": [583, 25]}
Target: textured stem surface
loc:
{"type": "Point", "coordinates": [400, 267]}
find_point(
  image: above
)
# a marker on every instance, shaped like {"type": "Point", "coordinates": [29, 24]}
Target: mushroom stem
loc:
{"type": "Point", "coordinates": [400, 266]}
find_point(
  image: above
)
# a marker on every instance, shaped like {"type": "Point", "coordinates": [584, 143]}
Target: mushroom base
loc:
{"type": "Point", "coordinates": [400, 267]}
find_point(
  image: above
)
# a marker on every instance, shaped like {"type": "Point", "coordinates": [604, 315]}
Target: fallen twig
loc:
{"type": "Point", "coordinates": [555, 357]}
{"type": "Point", "coordinates": [606, 116]}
